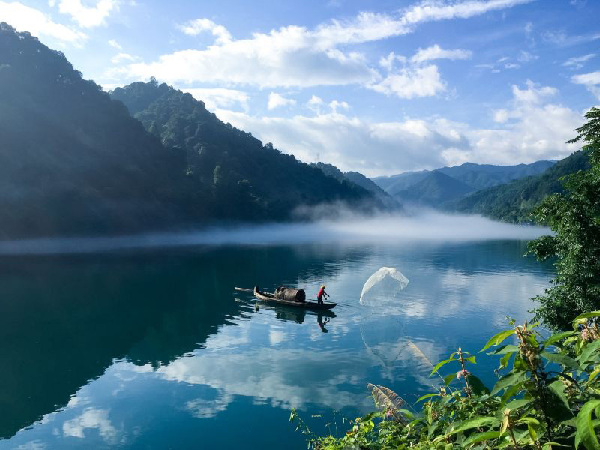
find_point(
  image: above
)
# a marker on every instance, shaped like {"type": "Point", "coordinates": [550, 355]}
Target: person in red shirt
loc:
{"type": "Point", "coordinates": [321, 294]}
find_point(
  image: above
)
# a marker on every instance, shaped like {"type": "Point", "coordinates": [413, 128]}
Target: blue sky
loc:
{"type": "Point", "coordinates": [380, 87]}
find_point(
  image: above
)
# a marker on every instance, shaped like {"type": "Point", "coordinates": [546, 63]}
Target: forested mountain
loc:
{"type": "Point", "coordinates": [514, 201]}
{"type": "Point", "coordinates": [476, 176]}
{"type": "Point", "coordinates": [244, 177]}
{"type": "Point", "coordinates": [480, 176]}
{"type": "Point", "coordinates": [360, 180]}
{"type": "Point", "coordinates": [434, 190]}
{"type": "Point", "coordinates": [73, 161]}
{"type": "Point", "coordinates": [398, 183]}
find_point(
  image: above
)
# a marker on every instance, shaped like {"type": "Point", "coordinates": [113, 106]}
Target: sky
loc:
{"type": "Point", "coordinates": [381, 87]}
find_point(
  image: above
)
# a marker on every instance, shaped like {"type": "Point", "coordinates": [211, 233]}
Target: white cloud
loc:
{"type": "Point", "coordinates": [590, 80]}
{"type": "Point", "coordinates": [115, 44]}
{"type": "Point", "coordinates": [214, 98]}
{"type": "Point", "coordinates": [526, 56]}
{"type": "Point", "coordinates": [314, 104]}
{"type": "Point", "coordinates": [436, 52]}
{"type": "Point", "coordinates": [352, 143]}
{"type": "Point", "coordinates": [415, 79]}
{"type": "Point", "coordinates": [387, 62]}
{"type": "Point", "coordinates": [88, 16]}
{"type": "Point", "coordinates": [334, 105]}
{"type": "Point", "coordinates": [411, 82]}
{"type": "Point", "coordinates": [25, 18]}
{"type": "Point", "coordinates": [561, 39]}
{"type": "Point", "coordinates": [285, 57]}
{"type": "Point", "coordinates": [197, 26]}
{"type": "Point", "coordinates": [119, 58]}
{"type": "Point", "coordinates": [577, 62]}
{"type": "Point", "coordinates": [532, 128]}
{"type": "Point", "coordinates": [91, 418]}
{"type": "Point", "coordinates": [297, 56]}
{"type": "Point", "coordinates": [277, 101]}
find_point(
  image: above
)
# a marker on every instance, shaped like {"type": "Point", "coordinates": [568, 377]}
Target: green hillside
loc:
{"type": "Point", "coordinates": [245, 179]}
{"type": "Point", "coordinates": [384, 199]}
{"type": "Point", "coordinates": [73, 161]}
{"type": "Point", "coordinates": [513, 202]}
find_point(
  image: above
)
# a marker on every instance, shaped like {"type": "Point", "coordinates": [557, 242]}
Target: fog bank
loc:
{"type": "Point", "coordinates": [425, 225]}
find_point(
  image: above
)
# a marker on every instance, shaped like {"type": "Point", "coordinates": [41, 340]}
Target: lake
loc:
{"type": "Point", "coordinates": [149, 346]}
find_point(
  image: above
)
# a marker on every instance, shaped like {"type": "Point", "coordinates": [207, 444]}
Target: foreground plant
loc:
{"type": "Point", "coordinates": [547, 397]}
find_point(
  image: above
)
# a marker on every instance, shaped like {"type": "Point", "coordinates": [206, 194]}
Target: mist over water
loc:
{"type": "Point", "coordinates": [423, 225]}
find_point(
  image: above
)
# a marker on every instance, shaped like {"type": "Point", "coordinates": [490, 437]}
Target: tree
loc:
{"type": "Point", "coordinates": [574, 217]}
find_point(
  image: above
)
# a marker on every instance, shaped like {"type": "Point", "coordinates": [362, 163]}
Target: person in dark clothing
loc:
{"type": "Point", "coordinates": [322, 294]}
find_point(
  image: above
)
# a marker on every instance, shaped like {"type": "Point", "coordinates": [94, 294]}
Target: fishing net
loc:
{"type": "Point", "coordinates": [383, 287]}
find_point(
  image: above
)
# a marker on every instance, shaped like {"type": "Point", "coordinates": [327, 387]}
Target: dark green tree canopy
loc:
{"type": "Point", "coordinates": [574, 217]}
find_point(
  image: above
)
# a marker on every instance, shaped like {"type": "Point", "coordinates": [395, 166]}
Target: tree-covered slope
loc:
{"type": "Point", "coordinates": [514, 201]}
{"type": "Point", "coordinates": [255, 180]}
{"type": "Point", "coordinates": [73, 161]}
{"type": "Point", "coordinates": [358, 179]}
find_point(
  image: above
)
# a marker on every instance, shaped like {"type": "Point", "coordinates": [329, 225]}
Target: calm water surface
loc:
{"type": "Point", "coordinates": [154, 349]}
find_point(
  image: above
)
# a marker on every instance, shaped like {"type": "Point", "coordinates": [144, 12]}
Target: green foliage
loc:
{"type": "Point", "coordinates": [574, 217]}
{"type": "Point", "coordinates": [548, 397]}
{"type": "Point", "coordinates": [241, 179]}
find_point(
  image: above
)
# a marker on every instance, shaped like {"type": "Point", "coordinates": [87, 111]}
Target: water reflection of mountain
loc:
{"type": "Point", "coordinates": [65, 319]}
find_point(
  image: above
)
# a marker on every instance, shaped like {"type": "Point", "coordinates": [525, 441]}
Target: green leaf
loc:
{"type": "Point", "coordinates": [448, 378]}
{"type": "Point", "coordinates": [475, 423]}
{"type": "Point", "coordinates": [559, 358]}
{"type": "Point", "coordinates": [477, 385]}
{"type": "Point", "coordinates": [585, 429]}
{"type": "Point", "coordinates": [426, 396]}
{"type": "Point", "coordinates": [529, 421]}
{"type": "Point", "coordinates": [504, 350]}
{"type": "Point", "coordinates": [498, 338]}
{"type": "Point", "coordinates": [507, 381]}
{"type": "Point", "coordinates": [557, 337]}
{"type": "Point", "coordinates": [558, 387]}
{"type": "Point", "coordinates": [504, 360]}
{"type": "Point", "coordinates": [481, 437]}
{"type": "Point", "coordinates": [471, 359]}
{"type": "Point", "coordinates": [440, 364]}
{"type": "Point", "coordinates": [510, 393]}
{"type": "Point", "coordinates": [588, 351]}
{"type": "Point", "coordinates": [587, 315]}
{"type": "Point", "coordinates": [516, 404]}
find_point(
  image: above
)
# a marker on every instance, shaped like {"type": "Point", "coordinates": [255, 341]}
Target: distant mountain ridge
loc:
{"type": "Point", "coordinates": [477, 176]}
{"type": "Point", "coordinates": [434, 190]}
{"type": "Point", "coordinates": [428, 188]}
{"type": "Point", "coordinates": [514, 201]}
